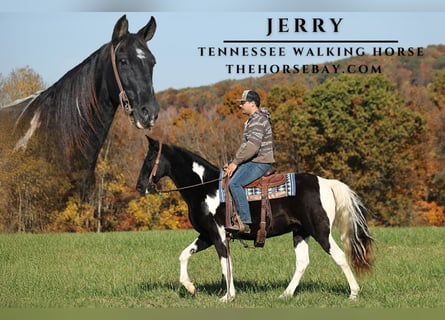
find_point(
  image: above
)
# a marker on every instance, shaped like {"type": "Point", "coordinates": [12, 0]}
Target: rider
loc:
{"type": "Point", "coordinates": [253, 158]}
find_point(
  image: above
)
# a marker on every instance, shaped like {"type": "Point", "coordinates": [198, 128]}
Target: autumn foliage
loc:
{"type": "Point", "coordinates": [384, 135]}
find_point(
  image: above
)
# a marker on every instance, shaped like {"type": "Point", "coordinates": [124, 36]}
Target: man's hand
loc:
{"type": "Point", "coordinates": [229, 169]}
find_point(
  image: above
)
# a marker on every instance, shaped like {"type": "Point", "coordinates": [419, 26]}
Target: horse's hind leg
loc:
{"type": "Point", "coordinates": [301, 263]}
{"type": "Point", "coordinates": [194, 247]}
{"type": "Point", "coordinates": [340, 259]}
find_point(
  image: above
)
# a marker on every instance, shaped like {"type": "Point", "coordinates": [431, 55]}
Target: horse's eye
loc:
{"type": "Point", "coordinates": [123, 61]}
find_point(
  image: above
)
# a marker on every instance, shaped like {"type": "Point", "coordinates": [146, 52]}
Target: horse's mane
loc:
{"type": "Point", "coordinates": [76, 117]}
{"type": "Point", "coordinates": [17, 102]}
{"type": "Point", "coordinates": [193, 157]}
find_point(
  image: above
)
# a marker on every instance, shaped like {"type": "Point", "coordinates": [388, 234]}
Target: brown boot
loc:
{"type": "Point", "coordinates": [236, 228]}
{"type": "Point", "coordinates": [246, 229]}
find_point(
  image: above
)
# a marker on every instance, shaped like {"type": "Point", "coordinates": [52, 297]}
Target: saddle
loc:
{"type": "Point", "coordinates": [269, 180]}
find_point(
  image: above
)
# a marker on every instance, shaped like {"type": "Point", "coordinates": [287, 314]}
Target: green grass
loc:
{"type": "Point", "coordinates": [141, 270]}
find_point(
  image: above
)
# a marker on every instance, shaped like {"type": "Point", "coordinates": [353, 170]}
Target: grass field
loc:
{"type": "Point", "coordinates": [141, 270]}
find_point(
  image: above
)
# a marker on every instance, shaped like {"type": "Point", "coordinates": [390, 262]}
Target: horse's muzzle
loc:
{"type": "Point", "coordinates": [144, 189]}
{"type": "Point", "coordinates": [141, 188]}
{"type": "Point", "coordinates": [144, 121]}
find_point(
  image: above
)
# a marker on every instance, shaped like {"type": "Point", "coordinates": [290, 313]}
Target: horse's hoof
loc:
{"type": "Point", "coordinates": [285, 295]}
{"type": "Point", "coordinates": [227, 298]}
{"type": "Point", "coordinates": [191, 288]}
{"type": "Point", "coordinates": [353, 297]}
{"type": "Point", "coordinates": [354, 294]}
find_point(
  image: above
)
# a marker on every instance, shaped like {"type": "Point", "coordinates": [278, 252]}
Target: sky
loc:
{"type": "Point", "coordinates": [55, 36]}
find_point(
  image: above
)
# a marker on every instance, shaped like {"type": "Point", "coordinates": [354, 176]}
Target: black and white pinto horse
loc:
{"type": "Point", "coordinates": [67, 123]}
{"type": "Point", "coordinates": [318, 203]}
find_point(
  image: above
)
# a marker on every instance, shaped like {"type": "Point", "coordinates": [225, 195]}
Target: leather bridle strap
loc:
{"type": "Point", "coordinates": [155, 167]}
{"type": "Point", "coordinates": [124, 101]}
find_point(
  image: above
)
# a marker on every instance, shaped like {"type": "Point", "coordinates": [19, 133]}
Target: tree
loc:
{"type": "Point", "coordinates": [78, 216]}
{"type": "Point", "coordinates": [156, 212]}
{"type": "Point", "coordinates": [437, 94]}
{"type": "Point", "coordinates": [19, 84]}
{"type": "Point", "coordinates": [437, 89]}
{"type": "Point", "coordinates": [356, 129]}
{"type": "Point", "coordinates": [35, 191]}
{"type": "Point", "coordinates": [285, 104]}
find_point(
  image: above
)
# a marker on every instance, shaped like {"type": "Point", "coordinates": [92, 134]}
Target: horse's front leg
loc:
{"type": "Point", "coordinates": [222, 248]}
{"type": "Point", "coordinates": [196, 246]}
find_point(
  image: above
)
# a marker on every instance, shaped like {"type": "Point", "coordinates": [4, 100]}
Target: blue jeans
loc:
{"type": "Point", "coordinates": [246, 173]}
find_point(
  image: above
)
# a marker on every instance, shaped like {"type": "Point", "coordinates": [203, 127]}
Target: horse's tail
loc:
{"type": "Point", "coordinates": [350, 219]}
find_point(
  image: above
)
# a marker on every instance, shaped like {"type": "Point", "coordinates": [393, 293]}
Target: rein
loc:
{"type": "Point", "coordinates": [186, 187]}
{"type": "Point", "coordinates": [123, 98]}
{"type": "Point", "coordinates": [155, 170]}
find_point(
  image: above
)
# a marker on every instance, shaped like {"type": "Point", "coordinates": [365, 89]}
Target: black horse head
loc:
{"type": "Point", "coordinates": [133, 66]}
{"type": "Point", "coordinates": [153, 169]}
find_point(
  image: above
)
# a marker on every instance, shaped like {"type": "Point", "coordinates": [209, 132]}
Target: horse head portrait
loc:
{"type": "Point", "coordinates": [133, 63]}
{"type": "Point", "coordinates": [67, 124]}
{"type": "Point", "coordinates": [308, 212]}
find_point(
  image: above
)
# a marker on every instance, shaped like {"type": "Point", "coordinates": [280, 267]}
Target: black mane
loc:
{"type": "Point", "coordinates": [76, 118]}
{"type": "Point", "coordinates": [189, 157]}
{"type": "Point", "coordinates": [182, 158]}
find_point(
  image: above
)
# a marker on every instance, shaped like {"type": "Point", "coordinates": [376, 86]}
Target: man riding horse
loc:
{"type": "Point", "coordinates": [253, 158]}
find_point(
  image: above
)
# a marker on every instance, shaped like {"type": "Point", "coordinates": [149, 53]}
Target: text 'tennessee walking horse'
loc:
{"type": "Point", "coordinates": [310, 213]}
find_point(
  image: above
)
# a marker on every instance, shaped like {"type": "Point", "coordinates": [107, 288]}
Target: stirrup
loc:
{"type": "Point", "coordinates": [239, 229]}
{"type": "Point", "coordinates": [237, 226]}
{"type": "Point", "coordinates": [233, 229]}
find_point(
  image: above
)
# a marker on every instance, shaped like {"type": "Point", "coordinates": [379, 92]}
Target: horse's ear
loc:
{"type": "Point", "coordinates": [148, 31]}
{"type": "Point", "coordinates": [120, 29]}
{"type": "Point", "coordinates": [152, 143]}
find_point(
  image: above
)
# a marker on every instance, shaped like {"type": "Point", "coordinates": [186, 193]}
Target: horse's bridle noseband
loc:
{"type": "Point", "coordinates": [123, 98]}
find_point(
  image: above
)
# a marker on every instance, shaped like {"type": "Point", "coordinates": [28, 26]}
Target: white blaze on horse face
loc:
{"type": "Point", "coordinates": [199, 170]}
{"type": "Point", "coordinates": [140, 53]}
{"type": "Point", "coordinates": [35, 123]}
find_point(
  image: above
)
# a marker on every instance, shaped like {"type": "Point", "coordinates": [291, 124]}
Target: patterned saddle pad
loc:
{"type": "Point", "coordinates": [287, 189]}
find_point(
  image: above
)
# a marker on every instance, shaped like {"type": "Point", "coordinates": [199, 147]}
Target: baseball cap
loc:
{"type": "Point", "coordinates": [250, 95]}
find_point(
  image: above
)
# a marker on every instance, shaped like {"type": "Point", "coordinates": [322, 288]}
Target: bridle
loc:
{"type": "Point", "coordinates": [123, 98]}
{"type": "Point", "coordinates": [155, 170]}
{"type": "Point", "coordinates": [155, 167]}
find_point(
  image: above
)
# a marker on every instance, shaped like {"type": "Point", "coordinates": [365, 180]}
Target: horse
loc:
{"type": "Point", "coordinates": [317, 204]}
{"type": "Point", "coordinates": [67, 123]}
